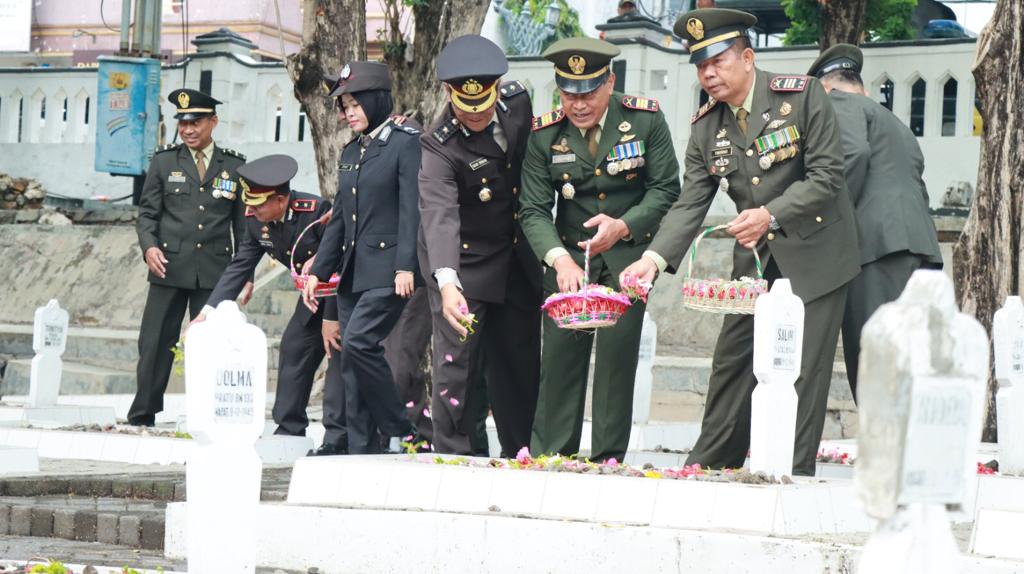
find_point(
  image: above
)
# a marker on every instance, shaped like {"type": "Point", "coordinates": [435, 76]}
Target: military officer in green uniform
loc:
{"type": "Point", "coordinates": [607, 161]}
{"type": "Point", "coordinates": [771, 143]}
{"type": "Point", "coordinates": [191, 218]}
{"type": "Point", "coordinates": [883, 174]}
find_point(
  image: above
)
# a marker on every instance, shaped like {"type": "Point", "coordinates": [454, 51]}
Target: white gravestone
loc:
{"type": "Point", "coordinates": [1008, 340]}
{"type": "Point", "coordinates": [923, 371]}
{"type": "Point", "coordinates": [225, 395]}
{"type": "Point", "coordinates": [644, 380]}
{"type": "Point", "coordinates": [49, 338]}
{"type": "Point", "coordinates": [778, 347]}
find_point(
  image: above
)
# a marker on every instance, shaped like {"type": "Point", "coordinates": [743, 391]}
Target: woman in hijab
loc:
{"type": "Point", "coordinates": [370, 242]}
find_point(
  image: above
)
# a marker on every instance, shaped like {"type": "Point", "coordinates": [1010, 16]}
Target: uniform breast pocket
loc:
{"type": "Point", "coordinates": [176, 192]}
{"type": "Point", "coordinates": [722, 162]}
{"type": "Point", "coordinates": [562, 173]}
{"type": "Point", "coordinates": [380, 242]}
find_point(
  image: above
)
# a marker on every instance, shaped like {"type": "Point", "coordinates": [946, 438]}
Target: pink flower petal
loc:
{"type": "Point", "coordinates": [410, 405]}
{"type": "Point", "coordinates": [426, 413]}
{"type": "Point", "coordinates": [454, 401]}
{"type": "Point", "coordinates": [444, 392]}
{"type": "Point", "coordinates": [448, 358]}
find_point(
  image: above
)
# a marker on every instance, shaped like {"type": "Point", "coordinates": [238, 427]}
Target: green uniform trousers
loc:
{"type": "Point", "coordinates": [725, 431]}
{"type": "Point", "coordinates": [565, 361]}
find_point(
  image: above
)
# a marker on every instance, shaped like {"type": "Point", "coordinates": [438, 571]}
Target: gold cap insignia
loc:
{"type": "Point", "coordinates": [577, 64]}
{"type": "Point", "coordinates": [471, 87]}
{"type": "Point", "coordinates": [696, 28]}
{"type": "Point", "coordinates": [183, 100]}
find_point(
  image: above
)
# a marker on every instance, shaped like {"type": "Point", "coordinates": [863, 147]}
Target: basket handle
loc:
{"type": "Point", "coordinates": [709, 231]}
{"type": "Point", "coordinates": [291, 258]}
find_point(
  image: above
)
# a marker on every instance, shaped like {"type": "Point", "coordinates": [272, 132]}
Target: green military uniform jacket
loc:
{"type": "Point", "coordinates": [816, 245]}
{"type": "Point", "coordinates": [557, 154]}
{"type": "Point", "coordinates": [197, 224]}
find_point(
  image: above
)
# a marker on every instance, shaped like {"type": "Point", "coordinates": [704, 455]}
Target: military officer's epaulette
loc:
{"type": "Point", "coordinates": [445, 131]}
{"type": "Point", "coordinates": [513, 88]}
{"type": "Point", "coordinates": [638, 103]}
{"type": "Point", "coordinates": [168, 147]}
{"type": "Point", "coordinates": [304, 205]}
{"type": "Point", "coordinates": [549, 119]}
{"type": "Point", "coordinates": [703, 110]}
{"type": "Point", "coordinates": [232, 153]}
{"type": "Point", "coordinates": [788, 83]}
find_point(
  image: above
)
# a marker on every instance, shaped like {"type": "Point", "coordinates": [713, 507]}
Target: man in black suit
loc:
{"type": "Point", "coordinates": [371, 242]}
{"type": "Point", "coordinates": [479, 269]}
{"type": "Point", "coordinates": [883, 164]}
{"type": "Point", "coordinates": [190, 221]}
{"type": "Point", "coordinates": [275, 216]}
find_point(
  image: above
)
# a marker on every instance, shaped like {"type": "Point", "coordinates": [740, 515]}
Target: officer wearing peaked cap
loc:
{"type": "Point", "coordinates": [607, 161]}
{"type": "Point", "coordinates": [275, 217]}
{"type": "Point", "coordinates": [883, 174]}
{"type": "Point", "coordinates": [771, 143]}
{"type": "Point", "coordinates": [479, 270]}
{"type": "Point", "coordinates": [190, 221]}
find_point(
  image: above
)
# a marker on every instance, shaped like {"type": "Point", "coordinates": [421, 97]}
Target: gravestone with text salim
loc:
{"type": "Point", "coordinates": [923, 371]}
{"type": "Point", "coordinates": [778, 350]}
{"type": "Point", "coordinates": [226, 389]}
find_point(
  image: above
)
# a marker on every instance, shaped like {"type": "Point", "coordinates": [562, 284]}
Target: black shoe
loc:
{"type": "Point", "coordinates": [417, 439]}
{"type": "Point", "coordinates": [328, 449]}
{"type": "Point", "coordinates": [143, 421]}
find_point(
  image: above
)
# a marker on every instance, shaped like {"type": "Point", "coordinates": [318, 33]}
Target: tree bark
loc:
{"type": "Point", "coordinates": [987, 262]}
{"type": "Point", "coordinates": [333, 32]}
{"type": "Point", "coordinates": [414, 66]}
{"type": "Point", "coordinates": [842, 22]}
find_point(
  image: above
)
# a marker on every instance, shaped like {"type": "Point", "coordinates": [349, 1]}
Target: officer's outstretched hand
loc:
{"type": "Point", "coordinates": [404, 284]}
{"type": "Point", "coordinates": [331, 331]}
{"type": "Point", "coordinates": [155, 261]}
{"type": "Point", "coordinates": [570, 276]}
{"type": "Point", "coordinates": [609, 232]}
{"type": "Point", "coordinates": [309, 293]}
{"type": "Point", "coordinates": [750, 226]}
{"type": "Point", "coordinates": [454, 308]}
{"type": "Point", "coordinates": [644, 269]}
{"type": "Point", "coordinates": [246, 294]}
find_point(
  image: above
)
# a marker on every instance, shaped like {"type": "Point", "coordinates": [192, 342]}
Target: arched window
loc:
{"type": "Point", "coordinates": [949, 108]}
{"type": "Point", "coordinates": [886, 93]}
{"type": "Point", "coordinates": [917, 96]}
{"type": "Point", "coordinates": [302, 125]}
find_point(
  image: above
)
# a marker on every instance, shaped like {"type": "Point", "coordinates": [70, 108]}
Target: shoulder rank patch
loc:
{"type": "Point", "coordinates": [168, 147]}
{"type": "Point", "coordinates": [232, 153]}
{"type": "Point", "coordinates": [548, 119]}
{"type": "Point", "coordinates": [788, 83]}
{"type": "Point", "coordinates": [304, 205]}
{"type": "Point", "coordinates": [703, 110]}
{"type": "Point", "coordinates": [638, 103]}
{"type": "Point", "coordinates": [513, 88]}
{"type": "Point", "coordinates": [249, 212]}
{"type": "Point", "coordinates": [445, 131]}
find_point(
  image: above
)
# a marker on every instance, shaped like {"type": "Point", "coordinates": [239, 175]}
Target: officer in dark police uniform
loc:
{"type": "Point", "coordinates": [771, 143]}
{"type": "Point", "coordinates": [275, 216]}
{"type": "Point", "coordinates": [190, 222]}
{"type": "Point", "coordinates": [607, 160]}
{"type": "Point", "coordinates": [371, 242]}
{"type": "Point", "coordinates": [474, 257]}
{"type": "Point", "coordinates": [884, 167]}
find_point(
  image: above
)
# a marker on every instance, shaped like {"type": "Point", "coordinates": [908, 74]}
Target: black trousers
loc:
{"type": "Point", "coordinates": [299, 355]}
{"type": "Point", "coordinates": [366, 319]}
{"type": "Point", "coordinates": [405, 350]}
{"type": "Point", "coordinates": [505, 352]}
{"type": "Point", "coordinates": [158, 333]}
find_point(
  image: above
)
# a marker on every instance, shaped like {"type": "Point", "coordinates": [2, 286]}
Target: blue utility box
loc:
{"type": "Point", "coordinates": [127, 114]}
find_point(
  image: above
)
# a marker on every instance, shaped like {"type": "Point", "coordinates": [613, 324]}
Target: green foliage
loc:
{"type": "Point", "coordinates": [53, 567]}
{"type": "Point", "coordinates": [568, 20]}
{"type": "Point", "coordinates": [885, 20]}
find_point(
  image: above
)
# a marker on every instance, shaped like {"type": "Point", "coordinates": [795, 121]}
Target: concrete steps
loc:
{"type": "Point", "coordinates": [77, 379]}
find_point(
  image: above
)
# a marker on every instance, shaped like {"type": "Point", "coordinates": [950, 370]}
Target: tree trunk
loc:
{"type": "Point", "coordinates": [413, 66]}
{"type": "Point", "coordinates": [333, 32]}
{"type": "Point", "coordinates": [842, 22]}
{"type": "Point", "coordinates": [987, 262]}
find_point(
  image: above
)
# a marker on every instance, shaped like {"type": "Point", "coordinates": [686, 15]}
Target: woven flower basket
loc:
{"type": "Point", "coordinates": [592, 307]}
{"type": "Point", "coordinates": [327, 288]}
{"type": "Point", "coordinates": [726, 296]}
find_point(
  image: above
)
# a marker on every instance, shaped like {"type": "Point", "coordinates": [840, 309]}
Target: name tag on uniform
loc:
{"type": "Point", "coordinates": [563, 158]}
{"type": "Point", "coordinates": [722, 152]}
{"type": "Point", "coordinates": [347, 166]}
{"type": "Point", "coordinates": [266, 243]}
{"type": "Point", "coordinates": [176, 177]}
{"type": "Point", "coordinates": [477, 163]}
